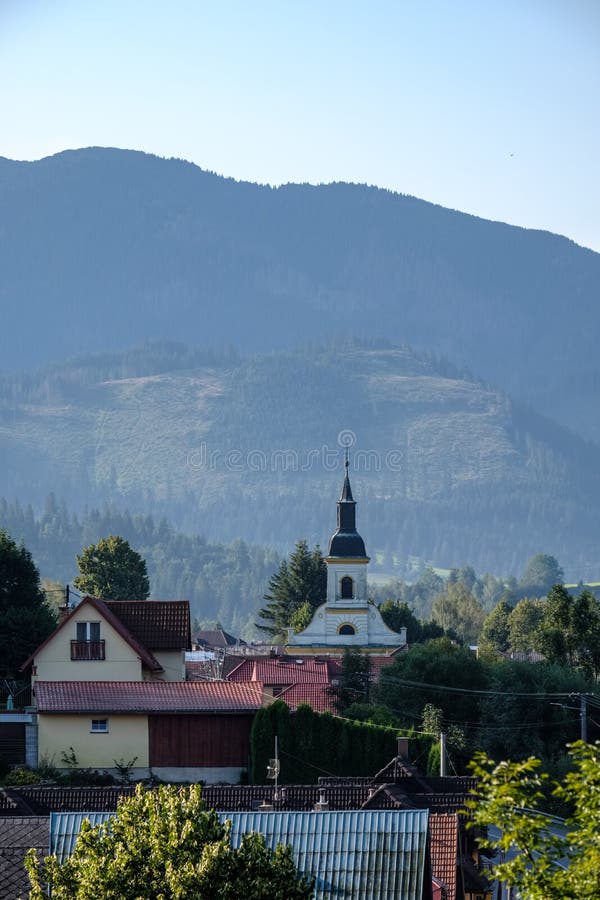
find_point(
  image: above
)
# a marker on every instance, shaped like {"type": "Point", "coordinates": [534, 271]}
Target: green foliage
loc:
{"type": "Point", "coordinates": [163, 845]}
{"type": "Point", "coordinates": [313, 744]}
{"type": "Point", "coordinates": [517, 716]}
{"type": "Point", "coordinates": [457, 611]}
{"type": "Point", "coordinates": [524, 624]}
{"type": "Point", "coordinates": [22, 776]}
{"type": "Point", "coordinates": [112, 570]}
{"type": "Point", "coordinates": [495, 630]}
{"type": "Point", "coordinates": [221, 581]}
{"type": "Point", "coordinates": [570, 632]}
{"type": "Point", "coordinates": [541, 573]}
{"type": "Point", "coordinates": [354, 680]}
{"type": "Point", "coordinates": [510, 797]}
{"type": "Point", "coordinates": [26, 618]}
{"type": "Point", "coordinates": [295, 591]}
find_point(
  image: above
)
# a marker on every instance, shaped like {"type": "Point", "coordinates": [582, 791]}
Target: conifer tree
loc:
{"type": "Point", "coordinates": [26, 618]}
{"type": "Point", "coordinates": [300, 579]}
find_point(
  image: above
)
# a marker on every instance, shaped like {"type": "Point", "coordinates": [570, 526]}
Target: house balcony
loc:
{"type": "Point", "coordinates": [87, 650]}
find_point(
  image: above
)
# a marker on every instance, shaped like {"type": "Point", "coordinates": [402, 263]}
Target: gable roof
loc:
{"type": "Point", "coordinates": [103, 610]}
{"type": "Point", "coordinates": [156, 624]}
{"type": "Point", "coordinates": [217, 637]}
{"type": "Point", "coordinates": [143, 697]}
{"type": "Point", "coordinates": [282, 670]}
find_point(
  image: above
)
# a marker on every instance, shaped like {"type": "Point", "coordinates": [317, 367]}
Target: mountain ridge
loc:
{"type": "Point", "coordinates": [446, 469]}
{"type": "Point", "coordinates": [101, 248]}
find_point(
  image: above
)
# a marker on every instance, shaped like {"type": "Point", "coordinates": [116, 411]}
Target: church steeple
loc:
{"type": "Point", "coordinates": [346, 541]}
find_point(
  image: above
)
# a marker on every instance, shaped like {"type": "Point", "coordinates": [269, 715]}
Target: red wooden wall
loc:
{"type": "Point", "coordinates": [201, 740]}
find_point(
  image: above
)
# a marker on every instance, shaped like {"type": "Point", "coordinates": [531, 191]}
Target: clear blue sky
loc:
{"type": "Point", "coordinates": [488, 106]}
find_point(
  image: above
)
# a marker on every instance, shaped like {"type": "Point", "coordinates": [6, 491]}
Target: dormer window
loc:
{"type": "Point", "coordinates": [347, 588]}
{"type": "Point", "coordinates": [87, 645]}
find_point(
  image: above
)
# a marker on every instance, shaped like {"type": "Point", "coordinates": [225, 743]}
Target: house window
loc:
{"type": "Point", "coordinates": [87, 645]}
{"type": "Point", "coordinates": [347, 588]}
{"type": "Point", "coordinates": [88, 631]}
{"type": "Point", "coordinates": [99, 726]}
{"type": "Point", "coordinates": [346, 629]}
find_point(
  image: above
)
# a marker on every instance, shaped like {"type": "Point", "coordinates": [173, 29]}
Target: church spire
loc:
{"type": "Point", "coordinates": [346, 542]}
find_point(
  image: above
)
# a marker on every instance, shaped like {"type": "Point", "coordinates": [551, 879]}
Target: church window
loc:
{"type": "Point", "coordinates": [347, 588]}
{"type": "Point", "coordinates": [347, 629]}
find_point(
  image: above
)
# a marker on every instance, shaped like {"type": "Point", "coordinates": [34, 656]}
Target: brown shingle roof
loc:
{"type": "Point", "coordinates": [44, 799]}
{"type": "Point", "coordinates": [443, 836]}
{"type": "Point", "coordinates": [157, 624]}
{"type": "Point", "coordinates": [17, 835]}
{"type": "Point", "coordinates": [108, 697]}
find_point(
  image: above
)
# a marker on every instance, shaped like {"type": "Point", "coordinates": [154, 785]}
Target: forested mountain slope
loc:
{"type": "Point", "coordinates": [102, 248]}
{"type": "Point", "coordinates": [445, 468]}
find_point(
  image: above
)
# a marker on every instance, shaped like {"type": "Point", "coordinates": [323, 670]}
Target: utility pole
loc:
{"type": "Point", "coordinates": [583, 714]}
{"type": "Point", "coordinates": [443, 754]}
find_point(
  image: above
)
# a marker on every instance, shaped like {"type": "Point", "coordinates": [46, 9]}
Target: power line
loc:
{"type": "Point", "coordinates": [403, 682]}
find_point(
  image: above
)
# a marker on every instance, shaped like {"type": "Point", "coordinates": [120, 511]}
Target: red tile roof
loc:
{"type": "Point", "coordinates": [443, 836]}
{"type": "Point", "coordinates": [282, 670]}
{"type": "Point", "coordinates": [316, 695]}
{"type": "Point", "coordinates": [108, 697]}
{"type": "Point", "coordinates": [378, 663]}
{"type": "Point", "coordinates": [157, 624]}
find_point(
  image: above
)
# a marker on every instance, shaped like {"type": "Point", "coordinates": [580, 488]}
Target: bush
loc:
{"type": "Point", "coordinates": [22, 776]}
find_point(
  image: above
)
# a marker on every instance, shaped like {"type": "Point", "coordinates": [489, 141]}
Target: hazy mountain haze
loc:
{"type": "Point", "coordinates": [101, 248]}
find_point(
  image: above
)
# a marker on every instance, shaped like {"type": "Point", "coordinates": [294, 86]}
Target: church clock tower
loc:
{"type": "Point", "coordinates": [346, 619]}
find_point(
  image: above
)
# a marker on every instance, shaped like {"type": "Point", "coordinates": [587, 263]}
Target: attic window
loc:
{"type": "Point", "coordinates": [88, 631]}
{"type": "Point", "coordinates": [347, 588]}
{"type": "Point", "coordinates": [347, 629]}
{"type": "Point", "coordinates": [99, 726]}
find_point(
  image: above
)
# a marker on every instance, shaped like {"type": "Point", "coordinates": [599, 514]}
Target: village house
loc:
{"type": "Point", "coordinates": [108, 689]}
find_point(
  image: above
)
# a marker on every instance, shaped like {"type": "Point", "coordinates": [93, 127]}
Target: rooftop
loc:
{"type": "Point", "coordinates": [157, 624]}
{"type": "Point", "coordinates": [173, 697]}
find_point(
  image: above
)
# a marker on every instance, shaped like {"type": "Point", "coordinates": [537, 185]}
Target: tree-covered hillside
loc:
{"type": "Point", "coordinates": [446, 470]}
{"type": "Point", "coordinates": [101, 248]}
{"type": "Point", "coordinates": [223, 582]}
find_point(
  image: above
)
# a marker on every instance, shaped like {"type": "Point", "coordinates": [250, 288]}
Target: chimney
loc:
{"type": "Point", "coordinates": [403, 747]}
{"type": "Point", "coordinates": [322, 805]}
{"type": "Point", "coordinates": [63, 613]}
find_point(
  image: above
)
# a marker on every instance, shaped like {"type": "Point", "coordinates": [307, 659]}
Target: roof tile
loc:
{"type": "Point", "coordinates": [108, 697]}
{"type": "Point", "coordinates": [157, 624]}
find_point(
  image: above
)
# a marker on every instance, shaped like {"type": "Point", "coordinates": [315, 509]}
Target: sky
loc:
{"type": "Point", "coordinates": [486, 106]}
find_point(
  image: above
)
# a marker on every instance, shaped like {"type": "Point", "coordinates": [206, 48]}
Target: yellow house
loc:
{"type": "Point", "coordinates": [109, 685]}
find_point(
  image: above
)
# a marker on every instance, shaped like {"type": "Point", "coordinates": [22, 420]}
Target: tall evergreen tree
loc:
{"type": "Point", "coordinates": [26, 618]}
{"type": "Point", "coordinates": [300, 579]}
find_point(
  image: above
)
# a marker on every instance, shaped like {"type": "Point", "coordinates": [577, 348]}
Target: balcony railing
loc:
{"type": "Point", "coordinates": [87, 650]}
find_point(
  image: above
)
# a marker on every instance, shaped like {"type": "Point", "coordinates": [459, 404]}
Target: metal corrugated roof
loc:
{"type": "Point", "coordinates": [370, 854]}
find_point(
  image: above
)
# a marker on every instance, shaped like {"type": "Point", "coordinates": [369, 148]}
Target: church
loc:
{"type": "Point", "coordinates": [346, 618]}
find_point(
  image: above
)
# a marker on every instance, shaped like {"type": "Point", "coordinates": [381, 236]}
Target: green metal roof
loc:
{"type": "Point", "coordinates": [370, 854]}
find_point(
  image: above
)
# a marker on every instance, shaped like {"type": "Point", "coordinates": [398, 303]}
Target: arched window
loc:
{"type": "Point", "coordinates": [346, 629]}
{"type": "Point", "coordinates": [347, 588]}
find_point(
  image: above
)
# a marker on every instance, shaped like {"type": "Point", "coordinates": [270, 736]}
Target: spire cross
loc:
{"type": "Point", "coordinates": [346, 461]}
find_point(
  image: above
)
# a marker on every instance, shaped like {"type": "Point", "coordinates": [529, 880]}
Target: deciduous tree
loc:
{"type": "Point", "coordinates": [543, 863]}
{"type": "Point", "coordinates": [163, 845]}
{"type": "Point", "coordinates": [112, 570]}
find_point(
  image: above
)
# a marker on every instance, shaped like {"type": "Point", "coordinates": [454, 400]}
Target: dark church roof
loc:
{"type": "Point", "coordinates": [346, 541]}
